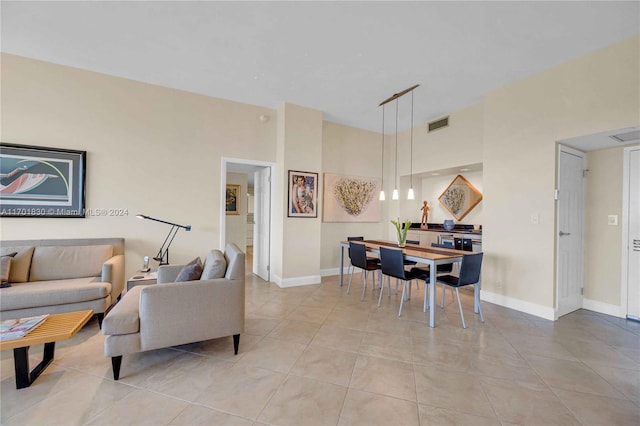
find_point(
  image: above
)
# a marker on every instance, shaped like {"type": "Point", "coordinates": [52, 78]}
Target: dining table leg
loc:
{"type": "Point", "coordinates": [432, 294]}
{"type": "Point", "coordinates": [341, 262]}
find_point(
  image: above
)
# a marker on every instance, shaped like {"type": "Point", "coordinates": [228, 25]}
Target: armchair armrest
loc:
{"type": "Point", "coordinates": [168, 273]}
{"type": "Point", "coordinates": [113, 272]}
{"type": "Point", "coordinates": [193, 311]}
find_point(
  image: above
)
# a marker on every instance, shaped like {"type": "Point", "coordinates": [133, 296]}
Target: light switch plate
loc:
{"type": "Point", "coordinates": [535, 218]}
{"type": "Point", "coordinates": [612, 220]}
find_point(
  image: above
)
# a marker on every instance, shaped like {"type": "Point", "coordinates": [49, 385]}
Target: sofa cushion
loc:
{"type": "Point", "coordinates": [62, 262]}
{"type": "Point", "coordinates": [215, 265]}
{"type": "Point", "coordinates": [20, 264]}
{"type": "Point", "coordinates": [191, 271]}
{"type": "Point", "coordinates": [5, 268]}
{"type": "Point", "coordinates": [57, 292]}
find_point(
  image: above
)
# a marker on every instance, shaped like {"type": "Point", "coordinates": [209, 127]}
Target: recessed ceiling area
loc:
{"type": "Point", "coordinates": [341, 58]}
{"type": "Point", "coordinates": [630, 136]}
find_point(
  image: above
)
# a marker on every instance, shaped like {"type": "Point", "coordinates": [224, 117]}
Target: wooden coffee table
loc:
{"type": "Point", "coordinates": [55, 328]}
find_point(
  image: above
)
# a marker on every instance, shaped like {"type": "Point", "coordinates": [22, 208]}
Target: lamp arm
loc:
{"type": "Point", "coordinates": [186, 227]}
{"type": "Point", "coordinates": [163, 253]}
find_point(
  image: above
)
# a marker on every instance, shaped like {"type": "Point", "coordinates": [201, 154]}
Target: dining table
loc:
{"type": "Point", "coordinates": [432, 256]}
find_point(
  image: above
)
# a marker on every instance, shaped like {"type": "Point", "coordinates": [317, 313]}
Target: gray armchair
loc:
{"type": "Point", "coordinates": [175, 313]}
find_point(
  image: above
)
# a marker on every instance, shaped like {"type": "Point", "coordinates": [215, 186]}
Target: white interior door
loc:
{"type": "Point", "coordinates": [633, 245]}
{"type": "Point", "coordinates": [262, 220]}
{"type": "Point", "coordinates": [570, 240]}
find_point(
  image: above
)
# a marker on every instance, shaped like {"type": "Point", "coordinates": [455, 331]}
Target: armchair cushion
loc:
{"type": "Point", "coordinates": [215, 265]}
{"type": "Point", "coordinates": [191, 271]}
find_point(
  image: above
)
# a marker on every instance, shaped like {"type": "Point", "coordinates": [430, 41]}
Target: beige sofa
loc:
{"type": "Point", "coordinates": [173, 313]}
{"type": "Point", "coordinates": [62, 275]}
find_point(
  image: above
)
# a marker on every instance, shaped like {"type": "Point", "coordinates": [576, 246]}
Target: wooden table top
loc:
{"type": "Point", "coordinates": [433, 253]}
{"type": "Point", "coordinates": [55, 328]}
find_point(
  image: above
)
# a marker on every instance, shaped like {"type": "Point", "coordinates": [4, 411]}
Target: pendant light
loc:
{"type": "Point", "coordinates": [395, 196]}
{"type": "Point", "coordinates": [382, 196]}
{"type": "Point", "coordinates": [410, 195]}
{"type": "Point", "coordinates": [396, 96]}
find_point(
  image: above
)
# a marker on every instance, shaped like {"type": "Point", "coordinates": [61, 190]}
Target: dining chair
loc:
{"type": "Point", "coordinates": [358, 254]}
{"type": "Point", "coordinates": [392, 264]}
{"type": "Point", "coordinates": [469, 275]}
{"type": "Point", "coordinates": [351, 268]}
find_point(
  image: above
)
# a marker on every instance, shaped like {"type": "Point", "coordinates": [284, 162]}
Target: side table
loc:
{"type": "Point", "coordinates": [143, 278]}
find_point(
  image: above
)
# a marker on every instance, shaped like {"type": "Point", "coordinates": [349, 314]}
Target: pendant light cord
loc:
{"type": "Point", "coordinates": [411, 152]}
{"type": "Point", "coordinates": [396, 168]}
{"type": "Point", "coordinates": [382, 156]}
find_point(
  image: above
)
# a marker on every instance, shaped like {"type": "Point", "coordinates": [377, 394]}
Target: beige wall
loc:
{"type": "Point", "coordinates": [353, 152]}
{"type": "Point", "coordinates": [150, 150]}
{"type": "Point", "coordinates": [301, 144]}
{"type": "Point", "coordinates": [522, 123]}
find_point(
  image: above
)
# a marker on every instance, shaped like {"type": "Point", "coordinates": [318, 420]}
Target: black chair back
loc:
{"type": "Point", "coordinates": [358, 255]}
{"type": "Point", "coordinates": [447, 267]}
{"type": "Point", "coordinates": [416, 242]}
{"type": "Point", "coordinates": [353, 239]}
{"type": "Point", "coordinates": [467, 244]}
{"type": "Point", "coordinates": [470, 269]}
{"type": "Point", "coordinates": [392, 262]}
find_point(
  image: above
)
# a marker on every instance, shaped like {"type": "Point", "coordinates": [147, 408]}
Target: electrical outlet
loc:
{"type": "Point", "coordinates": [535, 218]}
{"type": "Point", "coordinates": [612, 220]}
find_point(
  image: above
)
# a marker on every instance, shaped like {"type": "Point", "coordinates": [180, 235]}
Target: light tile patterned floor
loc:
{"type": "Point", "coordinates": [314, 355]}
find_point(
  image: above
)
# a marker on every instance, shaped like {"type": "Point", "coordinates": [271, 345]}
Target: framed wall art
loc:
{"type": "Point", "coordinates": [41, 182]}
{"type": "Point", "coordinates": [351, 199]}
{"type": "Point", "coordinates": [460, 197]}
{"type": "Point", "coordinates": [232, 201]}
{"type": "Point", "coordinates": [303, 201]}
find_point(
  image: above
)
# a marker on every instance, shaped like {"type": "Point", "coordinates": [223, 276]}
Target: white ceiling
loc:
{"type": "Point", "coordinates": [342, 58]}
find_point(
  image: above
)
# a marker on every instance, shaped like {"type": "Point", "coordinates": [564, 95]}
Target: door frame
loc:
{"type": "Point", "coordinates": [582, 154]}
{"type": "Point", "coordinates": [624, 221]}
{"type": "Point", "coordinates": [223, 190]}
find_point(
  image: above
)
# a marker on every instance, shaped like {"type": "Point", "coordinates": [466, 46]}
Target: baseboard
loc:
{"type": "Point", "coordinates": [602, 308]}
{"type": "Point", "coordinates": [519, 305]}
{"type": "Point", "coordinates": [333, 271]}
{"type": "Point", "coordinates": [297, 281]}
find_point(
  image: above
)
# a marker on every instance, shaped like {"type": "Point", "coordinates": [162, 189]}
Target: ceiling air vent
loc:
{"type": "Point", "coordinates": [626, 137]}
{"type": "Point", "coordinates": [438, 124]}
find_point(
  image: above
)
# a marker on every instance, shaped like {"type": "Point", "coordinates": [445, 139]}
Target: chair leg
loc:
{"type": "Point", "coordinates": [350, 278]}
{"type": "Point", "coordinates": [444, 290]}
{"type": "Point", "coordinates": [364, 285]}
{"type": "Point", "coordinates": [381, 290]}
{"type": "Point", "coordinates": [402, 299]}
{"type": "Point", "coordinates": [460, 307]}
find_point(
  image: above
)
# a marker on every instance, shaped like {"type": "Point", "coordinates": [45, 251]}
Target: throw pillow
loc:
{"type": "Point", "coordinates": [5, 268]}
{"type": "Point", "coordinates": [191, 271]}
{"type": "Point", "coordinates": [215, 265]}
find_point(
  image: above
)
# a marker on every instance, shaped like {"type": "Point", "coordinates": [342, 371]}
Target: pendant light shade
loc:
{"type": "Point", "coordinates": [395, 196]}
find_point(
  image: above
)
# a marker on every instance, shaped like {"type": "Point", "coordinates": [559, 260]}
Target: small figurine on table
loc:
{"type": "Point", "coordinates": [425, 214]}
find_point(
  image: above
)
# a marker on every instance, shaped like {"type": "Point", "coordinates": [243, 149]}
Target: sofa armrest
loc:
{"type": "Point", "coordinates": [193, 311]}
{"type": "Point", "coordinates": [113, 272]}
{"type": "Point", "coordinates": [168, 273]}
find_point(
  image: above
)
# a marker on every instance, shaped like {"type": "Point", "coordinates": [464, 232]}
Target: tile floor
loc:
{"type": "Point", "coordinates": [314, 355]}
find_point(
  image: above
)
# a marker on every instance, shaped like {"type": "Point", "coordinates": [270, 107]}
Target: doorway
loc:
{"type": "Point", "coordinates": [258, 176]}
{"type": "Point", "coordinates": [570, 228]}
{"type": "Point", "coordinates": [631, 234]}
